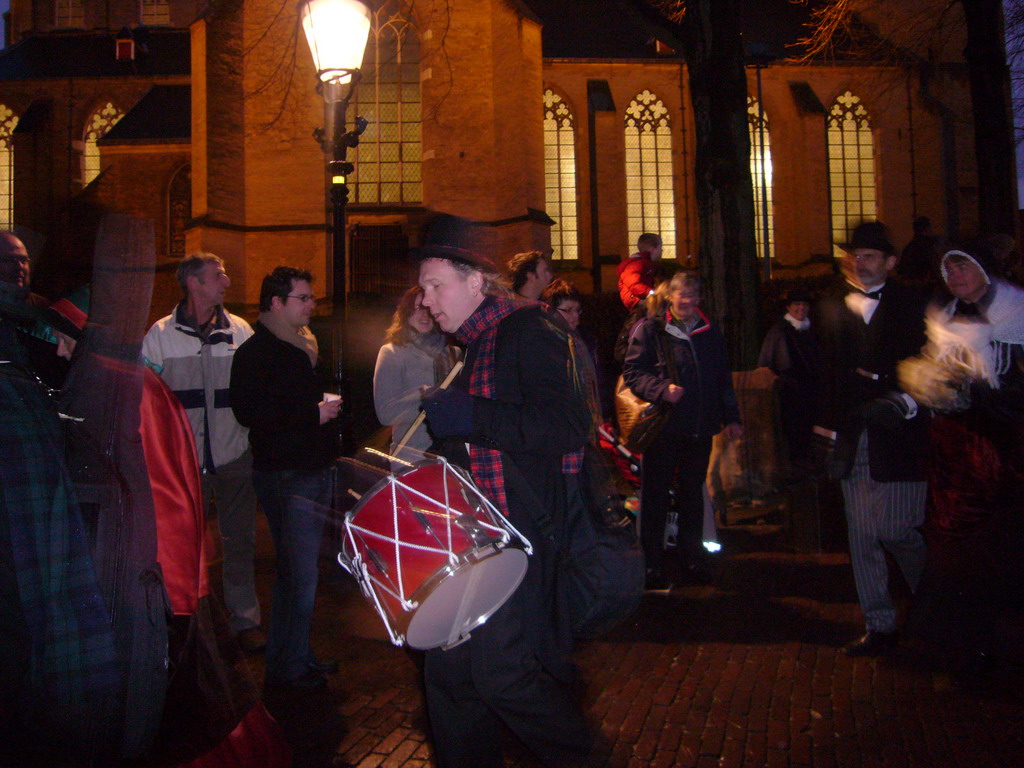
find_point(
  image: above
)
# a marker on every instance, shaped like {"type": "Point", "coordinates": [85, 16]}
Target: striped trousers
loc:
{"type": "Point", "coordinates": [882, 516]}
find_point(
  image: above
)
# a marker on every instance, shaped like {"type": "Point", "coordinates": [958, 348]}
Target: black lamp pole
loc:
{"type": "Point", "coordinates": [335, 142]}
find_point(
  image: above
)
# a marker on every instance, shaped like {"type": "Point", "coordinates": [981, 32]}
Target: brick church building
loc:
{"type": "Point", "coordinates": [556, 123]}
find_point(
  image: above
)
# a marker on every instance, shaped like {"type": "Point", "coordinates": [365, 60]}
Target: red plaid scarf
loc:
{"type": "Point", "coordinates": [485, 463]}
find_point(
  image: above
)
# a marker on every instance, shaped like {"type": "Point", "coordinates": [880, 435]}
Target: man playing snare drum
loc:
{"type": "Point", "coordinates": [510, 417]}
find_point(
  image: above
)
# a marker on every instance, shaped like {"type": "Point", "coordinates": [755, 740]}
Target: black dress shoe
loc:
{"type": "Point", "coordinates": [311, 679]}
{"type": "Point", "coordinates": [325, 666]}
{"type": "Point", "coordinates": [873, 643]}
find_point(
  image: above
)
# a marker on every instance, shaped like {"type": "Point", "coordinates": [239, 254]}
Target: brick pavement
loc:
{"type": "Point", "coordinates": [748, 673]}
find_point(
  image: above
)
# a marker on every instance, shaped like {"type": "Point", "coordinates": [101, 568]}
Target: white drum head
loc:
{"type": "Point", "coordinates": [466, 599]}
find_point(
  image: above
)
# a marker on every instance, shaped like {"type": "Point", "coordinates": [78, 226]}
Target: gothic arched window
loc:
{"type": "Point", "coordinates": [560, 175]}
{"type": "Point", "coordinates": [99, 122]}
{"type": "Point", "coordinates": [851, 165]}
{"type": "Point", "coordinates": [388, 158]}
{"type": "Point", "coordinates": [761, 176]}
{"type": "Point", "coordinates": [69, 14]}
{"type": "Point", "coordinates": [8, 121]}
{"type": "Point", "coordinates": [155, 13]}
{"type": "Point", "coordinates": [650, 200]}
{"type": "Point", "coordinates": [179, 210]}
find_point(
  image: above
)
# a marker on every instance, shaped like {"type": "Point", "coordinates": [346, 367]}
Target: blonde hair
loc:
{"type": "Point", "coordinates": [494, 283]}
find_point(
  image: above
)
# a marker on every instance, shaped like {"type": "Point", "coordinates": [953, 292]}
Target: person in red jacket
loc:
{"type": "Point", "coordinates": [637, 273]}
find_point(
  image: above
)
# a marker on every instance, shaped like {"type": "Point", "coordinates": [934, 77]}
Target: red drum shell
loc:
{"type": "Point", "coordinates": [450, 575]}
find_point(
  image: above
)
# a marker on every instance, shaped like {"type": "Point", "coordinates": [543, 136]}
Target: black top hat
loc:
{"type": "Point", "coordinates": [870, 234]}
{"type": "Point", "coordinates": [798, 294]}
{"type": "Point", "coordinates": [451, 237]}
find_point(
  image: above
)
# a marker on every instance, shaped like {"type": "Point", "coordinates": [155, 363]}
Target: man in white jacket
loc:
{"type": "Point", "coordinates": [192, 350]}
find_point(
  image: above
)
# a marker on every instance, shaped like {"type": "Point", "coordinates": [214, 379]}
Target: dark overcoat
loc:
{"type": "Point", "coordinates": [858, 365]}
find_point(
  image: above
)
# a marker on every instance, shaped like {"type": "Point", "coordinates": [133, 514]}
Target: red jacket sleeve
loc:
{"type": "Point", "coordinates": [636, 275]}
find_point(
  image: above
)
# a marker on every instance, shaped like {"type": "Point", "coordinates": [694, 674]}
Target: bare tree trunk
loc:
{"type": "Point", "coordinates": [709, 38]}
{"type": "Point", "coordinates": [725, 198]}
{"type": "Point", "coordinates": [993, 124]}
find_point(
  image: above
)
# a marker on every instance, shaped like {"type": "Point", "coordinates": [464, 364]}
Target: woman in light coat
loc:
{"type": "Point", "coordinates": [415, 354]}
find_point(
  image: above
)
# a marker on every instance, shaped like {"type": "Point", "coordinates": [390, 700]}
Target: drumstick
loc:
{"type": "Point", "coordinates": [419, 419]}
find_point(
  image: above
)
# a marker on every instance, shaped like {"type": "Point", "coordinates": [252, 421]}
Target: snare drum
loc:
{"type": "Point", "coordinates": [434, 556]}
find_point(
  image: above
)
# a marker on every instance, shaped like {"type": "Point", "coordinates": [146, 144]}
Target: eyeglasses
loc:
{"type": "Point", "coordinates": [303, 297]}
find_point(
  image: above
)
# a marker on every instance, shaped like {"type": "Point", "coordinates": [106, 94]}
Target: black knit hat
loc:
{"type": "Point", "coordinates": [798, 294]}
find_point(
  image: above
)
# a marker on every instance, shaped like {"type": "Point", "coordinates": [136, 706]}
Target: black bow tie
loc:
{"type": "Point", "coordinates": [876, 295]}
{"type": "Point", "coordinates": [967, 310]}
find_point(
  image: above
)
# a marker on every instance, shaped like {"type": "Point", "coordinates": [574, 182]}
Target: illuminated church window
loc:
{"type": "Point", "coordinates": [156, 13]}
{"type": "Point", "coordinates": [8, 121]}
{"type": "Point", "coordinates": [560, 175]}
{"type": "Point", "coordinates": [179, 209]}
{"type": "Point", "coordinates": [69, 14]}
{"type": "Point", "coordinates": [851, 165]}
{"type": "Point", "coordinates": [761, 175]}
{"type": "Point", "coordinates": [387, 161]}
{"type": "Point", "coordinates": [101, 121]}
{"type": "Point", "coordinates": [650, 200]}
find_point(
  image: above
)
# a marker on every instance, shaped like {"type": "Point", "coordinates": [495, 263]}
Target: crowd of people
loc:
{"type": "Point", "coordinates": [913, 406]}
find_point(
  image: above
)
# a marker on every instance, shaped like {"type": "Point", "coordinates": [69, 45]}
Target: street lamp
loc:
{"type": "Point", "coordinates": [336, 31]}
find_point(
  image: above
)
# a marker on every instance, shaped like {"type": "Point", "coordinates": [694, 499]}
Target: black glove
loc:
{"type": "Point", "coordinates": [449, 412]}
{"type": "Point", "coordinates": [887, 411]}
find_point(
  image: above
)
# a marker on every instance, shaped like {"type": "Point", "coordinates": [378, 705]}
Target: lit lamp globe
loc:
{"type": "Point", "coordinates": [336, 31]}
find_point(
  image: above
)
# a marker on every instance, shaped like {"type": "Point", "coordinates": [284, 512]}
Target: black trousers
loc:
{"type": "Point", "coordinates": [496, 676]}
{"type": "Point", "coordinates": [689, 457]}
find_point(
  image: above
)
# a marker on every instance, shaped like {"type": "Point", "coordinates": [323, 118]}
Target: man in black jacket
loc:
{"type": "Point", "coordinates": [275, 392]}
{"type": "Point", "coordinates": [880, 435]}
{"type": "Point", "coordinates": [512, 417]}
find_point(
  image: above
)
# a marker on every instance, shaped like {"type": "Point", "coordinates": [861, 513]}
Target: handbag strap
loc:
{"type": "Point", "coordinates": [666, 353]}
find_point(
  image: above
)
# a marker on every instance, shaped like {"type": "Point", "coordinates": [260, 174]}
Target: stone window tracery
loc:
{"type": "Point", "coordinates": [69, 14]}
{"type": "Point", "coordinates": [99, 122]}
{"type": "Point", "coordinates": [761, 175]}
{"type": "Point", "coordinates": [179, 210]}
{"type": "Point", "coordinates": [155, 13]}
{"type": "Point", "coordinates": [388, 158]}
{"type": "Point", "coordinates": [560, 176]}
{"type": "Point", "coordinates": [650, 197]}
{"type": "Point", "coordinates": [8, 122]}
{"type": "Point", "coordinates": [851, 165]}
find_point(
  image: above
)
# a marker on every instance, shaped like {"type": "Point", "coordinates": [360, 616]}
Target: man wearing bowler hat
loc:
{"type": "Point", "coordinates": [510, 418]}
{"type": "Point", "coordinates": [878, 432]}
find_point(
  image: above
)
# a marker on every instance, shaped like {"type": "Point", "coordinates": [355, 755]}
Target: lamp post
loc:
{"type": "Point", "coordinates": [336, 31]}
